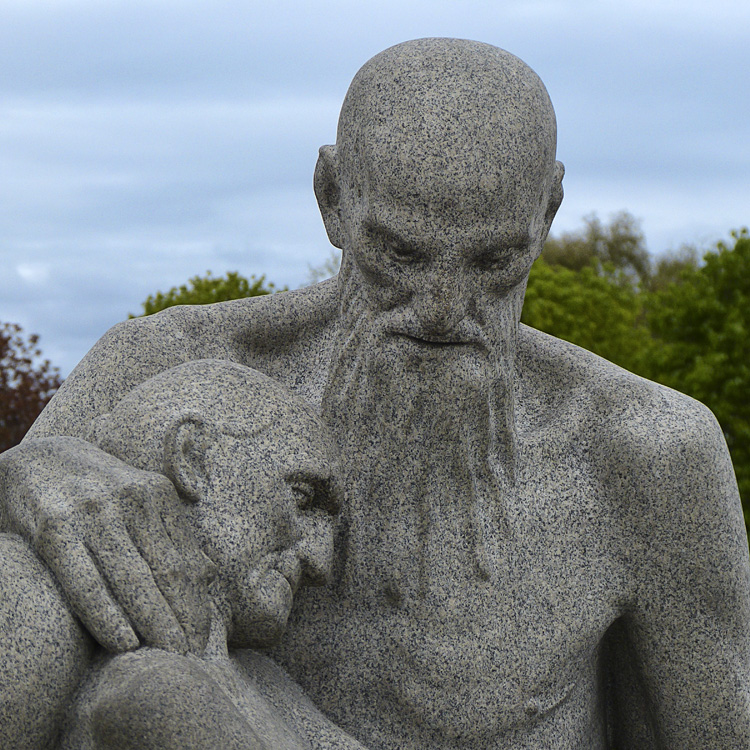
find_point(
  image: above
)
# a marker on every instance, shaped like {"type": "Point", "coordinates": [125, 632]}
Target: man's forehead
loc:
{"type": "Point", "coordinates": [450, 162]}
{"type": "Point", "coordinates": [500, 189]}
{"type": "Point", "coordinates": [494, 218]}
{"type": "Point", "coordinates": [299, 452]}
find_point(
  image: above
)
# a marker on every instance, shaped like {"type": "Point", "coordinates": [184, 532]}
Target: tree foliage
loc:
{"type": "Point", "coordinates": [615, 247]}
{"type": "Point", "coordinates": [595, 307]}
{"type": "Point", "coordinates": [587, 289]}
{"type": "Point", "coordinates": [205, 290]}
{"type": "Point", "coordinates": [27, 383]}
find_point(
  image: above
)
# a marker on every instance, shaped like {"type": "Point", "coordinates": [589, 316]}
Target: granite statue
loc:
{"type": "Point", "coordinates": [253, 467]}
{"type": "Point", "coordinates": [535, 549]}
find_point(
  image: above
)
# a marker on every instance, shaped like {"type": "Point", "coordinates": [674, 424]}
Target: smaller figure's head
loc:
{"type": "Point", "coordinates": [253, 464]}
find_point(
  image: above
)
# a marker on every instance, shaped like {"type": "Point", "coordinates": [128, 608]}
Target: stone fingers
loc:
{"type": "Point", "coordinates": [180, 569]}
{"type": "Point", "coordinates": [86, 590]}
{"type": "Point", "coordinates": [107, 580]}
{"type": "Point", "coordinates": [136, 588]}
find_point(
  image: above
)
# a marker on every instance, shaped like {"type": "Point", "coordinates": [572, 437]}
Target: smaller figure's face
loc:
{"type": "Point", "coordinates": [267, 523]}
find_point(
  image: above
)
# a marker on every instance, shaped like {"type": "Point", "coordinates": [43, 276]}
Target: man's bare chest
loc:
{"type": "Point", "coordinates": [481, 617]}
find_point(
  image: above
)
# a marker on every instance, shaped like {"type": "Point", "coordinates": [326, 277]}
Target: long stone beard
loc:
{"type": "Point", "coordinates": [427, 440]}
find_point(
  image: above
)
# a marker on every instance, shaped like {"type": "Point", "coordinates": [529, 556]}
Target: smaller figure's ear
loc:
{"type": "Point", "coordinates": [555, 196]}
{"type": "Point", "coordinates": [328, 193]}
{"type": "Point", "coordinates": [186, 445]}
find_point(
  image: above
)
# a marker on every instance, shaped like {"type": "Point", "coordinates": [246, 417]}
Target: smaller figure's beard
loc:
{"type": "Point", "coordinates": [427, 440]}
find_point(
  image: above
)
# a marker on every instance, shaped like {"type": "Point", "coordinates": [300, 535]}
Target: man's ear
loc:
{"type": "Point", "coordinates": [555, 196]}
{"type": "Point", "coordinates": [186, 445]}
{"type": "Point", "coordinates": [328, 193]}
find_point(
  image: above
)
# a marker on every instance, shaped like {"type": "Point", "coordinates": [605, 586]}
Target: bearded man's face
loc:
{"type": "Point", "coordinates": [439, 266]}
{"type": "Point", "coordinates": [420, 391]}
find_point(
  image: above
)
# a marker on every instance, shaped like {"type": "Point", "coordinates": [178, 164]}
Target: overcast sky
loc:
{"type": "Point", "coordinates": [143, 142]}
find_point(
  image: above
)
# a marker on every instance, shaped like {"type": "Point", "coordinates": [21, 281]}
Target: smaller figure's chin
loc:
{"type": "Point", "coordinates": [260, 612]}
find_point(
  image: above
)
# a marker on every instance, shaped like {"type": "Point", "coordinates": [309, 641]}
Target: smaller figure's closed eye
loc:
{"type": "Point", "coordinates": [304, 493]}
{"type": "Point", "coordinates": [314, 489]}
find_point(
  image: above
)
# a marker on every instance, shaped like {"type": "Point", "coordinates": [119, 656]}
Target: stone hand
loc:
{"type": "Point", "coordinates": [117, 540]}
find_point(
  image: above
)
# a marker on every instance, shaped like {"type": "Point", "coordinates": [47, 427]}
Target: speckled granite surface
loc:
{"type": "Point", "coordinates": [536, 549]}
{"type": "Point", "coordinates": [252, 465]}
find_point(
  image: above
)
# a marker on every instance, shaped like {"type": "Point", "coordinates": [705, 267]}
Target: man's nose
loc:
{"type": "Point", "coordinates": [442, 303]}
{"type": "Point", "coordinates": [315, 553]}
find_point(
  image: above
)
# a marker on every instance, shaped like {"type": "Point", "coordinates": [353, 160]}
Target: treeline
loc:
{"type": "Point", "coordinates": [27, 383]}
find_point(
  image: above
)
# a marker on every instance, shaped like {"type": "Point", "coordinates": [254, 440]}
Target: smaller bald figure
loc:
{"type": "Point", "coordinates": [536, 548]}
{"type": "Point", "coordinates": [253, 466]}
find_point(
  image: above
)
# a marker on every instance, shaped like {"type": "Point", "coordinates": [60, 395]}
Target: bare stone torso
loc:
{"type": "Point", "coordinates": [508, 662]}
{"type": "Point", "coordinates": [511, 659]}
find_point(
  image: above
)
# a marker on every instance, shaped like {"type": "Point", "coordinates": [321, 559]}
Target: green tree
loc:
{"type": "Point", "coordinates": [669, 267]}
{"type": "Point", "coordinates": [27, 383]}
{"type": "Point", "coordinates": [205, 290]}
{"type": "Point", "coordinates": [586, 289]}
{"type": "Point", "coordinates": [701, 324]}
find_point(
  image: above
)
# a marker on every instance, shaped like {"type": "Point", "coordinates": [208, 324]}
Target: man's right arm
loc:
{"type": "Point", "coordinates": [83, 516]}
{"type": "Point", "coordinates": [116, 539]}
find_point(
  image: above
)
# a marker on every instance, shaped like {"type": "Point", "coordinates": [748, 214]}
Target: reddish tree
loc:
{"type": "Point", "coordinates": [27, 383]}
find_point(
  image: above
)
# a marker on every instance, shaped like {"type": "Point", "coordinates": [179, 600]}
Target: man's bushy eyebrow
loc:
{"type": "Point", "coordinates": [374, 227]}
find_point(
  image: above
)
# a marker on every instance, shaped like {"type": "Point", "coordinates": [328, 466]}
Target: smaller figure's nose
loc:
{"type": "Point", "coordinates": [315, 553]}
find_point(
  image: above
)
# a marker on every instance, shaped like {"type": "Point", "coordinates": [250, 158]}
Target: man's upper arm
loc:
{"type": "Point", "coordinates": [125, 356]}
{"type": "Point", "coordinates": [689, 622]}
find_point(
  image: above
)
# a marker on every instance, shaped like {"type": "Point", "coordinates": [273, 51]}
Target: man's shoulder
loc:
{"type": "Point", "coordinates": [604, 396]}
{"type": "Point", "coordinates": [285, 335]}
{"type": "Point", "coordinates": [658, 454]}
{"type": "Point", "coordinates": [275, 321]}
